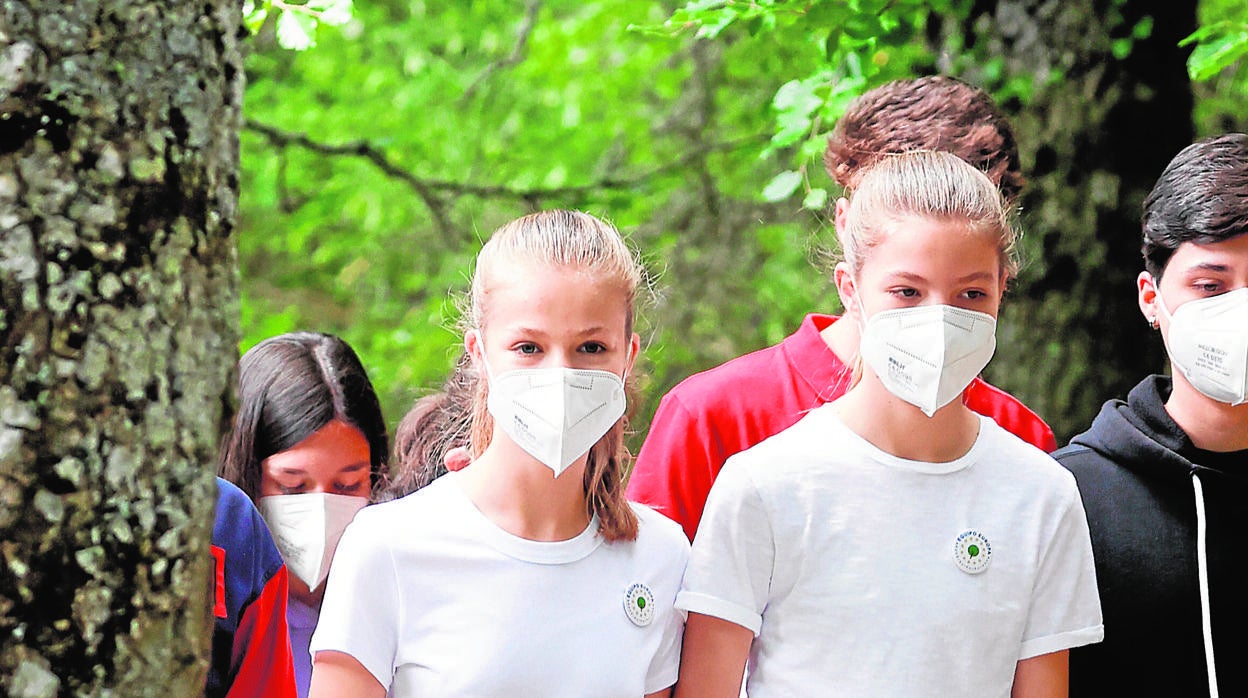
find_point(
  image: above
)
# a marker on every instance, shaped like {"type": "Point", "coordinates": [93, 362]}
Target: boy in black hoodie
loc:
{"type": "Point", "coordinates": [1164, 475]}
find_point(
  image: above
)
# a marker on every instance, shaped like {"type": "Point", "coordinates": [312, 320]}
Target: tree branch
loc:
{"type": "Point", "coordinates": [284, 139]}
{"type": "Point", "coordinates": [431, 191]}
{"type": "Point", "coordinates": [517, 51]}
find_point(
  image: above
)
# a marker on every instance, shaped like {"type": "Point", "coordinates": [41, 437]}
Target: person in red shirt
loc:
{"type": "Point", "coordinates": [727, 409]}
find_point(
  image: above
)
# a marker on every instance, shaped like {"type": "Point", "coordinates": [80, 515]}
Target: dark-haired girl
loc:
{"type": "Point", "coordinates": [308, 445]}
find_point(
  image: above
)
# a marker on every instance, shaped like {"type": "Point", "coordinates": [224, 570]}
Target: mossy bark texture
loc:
{"type": "Point", "coordinates": [118, 305]}
{"type": "Point", "coordinates": [1094, 137]}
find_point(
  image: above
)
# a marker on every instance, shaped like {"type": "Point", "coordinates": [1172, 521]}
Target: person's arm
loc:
{"type": "Point", "coordinates": [712, 663]}
{"type": "Point", "coordinates": [1045, 676]}
{"type": "Point", "coordinates": [262, 645]}
{"type": "Point", "coordinates": [251, 589]}
{"type": "Point", "coordinates": [337, 674]}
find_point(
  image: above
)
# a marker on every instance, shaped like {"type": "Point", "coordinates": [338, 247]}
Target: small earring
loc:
{"type": "Point", "coordinates": [1154, 324]}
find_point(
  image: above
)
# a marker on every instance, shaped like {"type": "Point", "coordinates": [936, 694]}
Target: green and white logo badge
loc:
{"type": "Point", "coordinates": [639, 604]}
{"type": "Point", "coordinates": [972, 552]}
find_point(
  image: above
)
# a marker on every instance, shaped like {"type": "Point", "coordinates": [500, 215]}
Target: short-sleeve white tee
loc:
{"type": "Point", "coordinates": [861, 573]}
{"type": "Point", "coordinates": [434, 599]}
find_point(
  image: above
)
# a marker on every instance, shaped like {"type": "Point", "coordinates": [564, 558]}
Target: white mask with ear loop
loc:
{"type": "Point", "coordinates": [927, 354]}
{"type": "Point", "coordinates": [307, 528]}
{"type": "Point", "coordinates": [1208, 343]}
{"type": "Point", "coordinates": [555, 414]}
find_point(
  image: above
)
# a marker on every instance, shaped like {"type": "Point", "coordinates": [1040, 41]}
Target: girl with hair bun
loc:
{"type": "Point", "coordinates": [527, 572]}
{"type": "Point", "coordinates": [893, 542]}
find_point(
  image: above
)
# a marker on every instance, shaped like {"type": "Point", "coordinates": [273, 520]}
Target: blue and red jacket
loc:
{"type": "Point", "coordinates": [251, 642]}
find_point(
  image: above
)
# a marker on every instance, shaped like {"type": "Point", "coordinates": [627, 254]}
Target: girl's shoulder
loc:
{"type": "Point", "coordinates": [435, 502]}
{"type": "Point", "coordinates": [658, 534]}
{"type": "Point", "coordinates": [1006, 455]}
{"type": "Point", "coordinates": [818, 436]}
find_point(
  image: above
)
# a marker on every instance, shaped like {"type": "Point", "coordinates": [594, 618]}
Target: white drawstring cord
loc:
{"type": "Point", "coordinates": [1202, 568]}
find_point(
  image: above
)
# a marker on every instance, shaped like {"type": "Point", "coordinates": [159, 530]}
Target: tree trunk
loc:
{"type": "Point", "coordinates": [118, 189]}
{"type": "Point", "coordinates": [1094, 138]}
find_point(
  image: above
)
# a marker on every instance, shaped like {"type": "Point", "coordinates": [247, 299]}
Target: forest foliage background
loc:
{"type": "Point", "coordinates": [374, 165]}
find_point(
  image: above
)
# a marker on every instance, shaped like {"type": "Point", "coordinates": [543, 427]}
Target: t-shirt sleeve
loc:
{"type": "Point", "coordinates": [1065, 606]}
{"type": "Point", "coordinates": [665, 666]}
{"type": "Point", "coordinates": [251, 642]}
{"type": "Point", "coordinates": [262, 645]}
{"type": "Point", "coordinates": [360, 615]}
{"type": "Point", "coordinates": [677, 464]}
{"type": "Point", "coordinates": [730, 567]}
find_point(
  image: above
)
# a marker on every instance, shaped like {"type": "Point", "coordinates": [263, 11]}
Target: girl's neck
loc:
{"type": "Point", "coordinates": [299, 590]}
{"type": "Point", "coordinates": [842, 337]}
{"type": "Point", "coordinates": [522, 496]}
{"type": "Point", "coordinates": [1211, 425]}
{"type": "Point", "coordinates": [899, 428]}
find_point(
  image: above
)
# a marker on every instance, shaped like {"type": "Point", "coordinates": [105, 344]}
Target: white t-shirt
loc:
{"type": "Point", "coordinates": [434, 599]}
{"type": "Point", "coordinates": [844, 562]}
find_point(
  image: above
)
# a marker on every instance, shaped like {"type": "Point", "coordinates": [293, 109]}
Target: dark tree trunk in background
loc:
{"type": "Point", "coordinates": [1094, 139]}
{"type": "Point", "coordinates": [118, 190]}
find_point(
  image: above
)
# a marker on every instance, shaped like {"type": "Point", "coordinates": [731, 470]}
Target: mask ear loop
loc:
{"type": "Point", "coordinates": [862, 309]}
{"type": "Point", "coordinates": [857, 363]}
{"type": "Point", "coordinates": [480, 344]}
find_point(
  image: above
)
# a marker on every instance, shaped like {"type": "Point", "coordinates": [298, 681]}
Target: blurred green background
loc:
{"type": "Point", "coordinates": [375, 162]}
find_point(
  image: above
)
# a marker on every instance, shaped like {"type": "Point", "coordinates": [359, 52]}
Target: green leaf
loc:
{"type": "Point", "coordinates": [1204, 33]}
{"type": "Point", "coordinates": [792, 129]}
{"type": "Point", "coordinates": [334, 13]}
{"type": "Point", "coordinates": [797, 97]}
{"type": "Point", "coordinates": [296, 31]}
{"type": "Point", "coordinates": [782, 186]}
{"type": "Point", "coordinates": [1121, 48]}
{"type": "Point", "coordinates": [254, 15]}
{"type": "Point", "coordinates": [1210, 58]}
{"type": "Point", "coordinates": [719, 21]}
{"type": "Point", "coordinates": [815, 199]}
{"type": "Point", "coordinates": [863, 26]}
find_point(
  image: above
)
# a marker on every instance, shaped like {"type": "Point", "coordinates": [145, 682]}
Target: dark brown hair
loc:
{"type": "Point", "coordinates": [1201, 197]}
{"type": "Point", "coordinates": [929, 113]}
{"type": "Point", "coordinates": [289, 387]}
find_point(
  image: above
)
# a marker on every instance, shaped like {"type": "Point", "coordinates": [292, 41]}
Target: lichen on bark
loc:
{"type": "Point", "coordinates": [118, 295]}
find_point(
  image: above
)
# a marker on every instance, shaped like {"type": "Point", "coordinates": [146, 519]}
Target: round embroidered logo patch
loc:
{"type": "Point", "coordinates": [639, 604]}
{"type": "Point", "coordinates": [972, 552]}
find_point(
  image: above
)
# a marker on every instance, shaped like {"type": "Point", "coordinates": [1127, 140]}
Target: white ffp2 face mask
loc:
{"type": "Point", "coordinates": [927, 355]}
{"type": "Point", "coordinates": [1208, 344]}
{"type": "Point", "coordinates": [556, 414]}
{"type": "Point", "coordinates": [306, 529]}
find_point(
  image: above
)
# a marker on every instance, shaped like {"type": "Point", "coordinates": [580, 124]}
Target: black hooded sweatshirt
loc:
{"type": "Point", "coordinates": [1142, 482]}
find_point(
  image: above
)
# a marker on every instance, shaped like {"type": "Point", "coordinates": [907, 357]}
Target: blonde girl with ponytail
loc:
{"type": "Point", "coordinates": [893, 542]}
{"type": "Point", "coordinates": [527, 572]}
